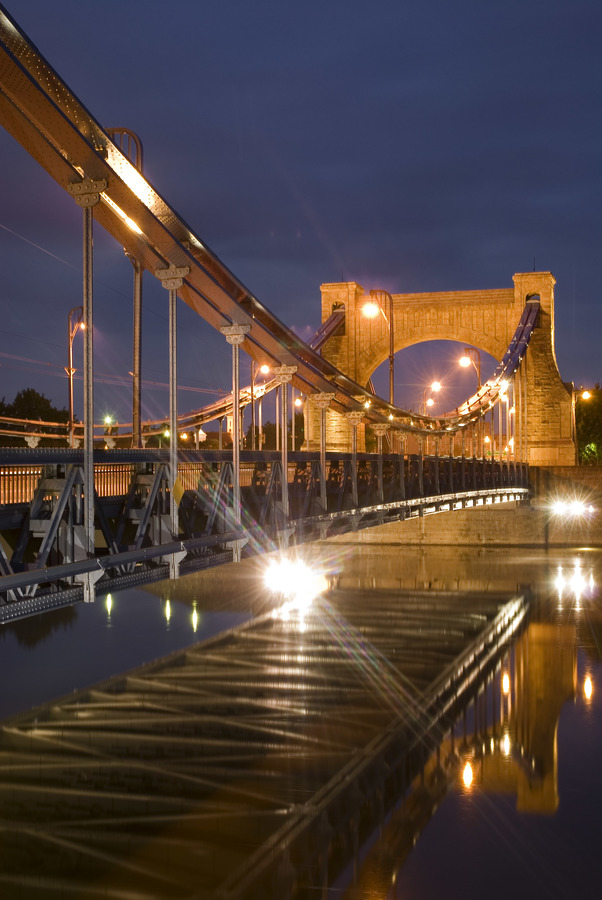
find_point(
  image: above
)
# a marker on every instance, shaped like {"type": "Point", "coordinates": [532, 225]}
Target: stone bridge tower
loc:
{"type": "Point", "coordinates": [485, 319]}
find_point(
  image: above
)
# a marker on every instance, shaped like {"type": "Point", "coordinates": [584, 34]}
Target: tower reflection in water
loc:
{"type": "Point", "coordinates": [505, 739]}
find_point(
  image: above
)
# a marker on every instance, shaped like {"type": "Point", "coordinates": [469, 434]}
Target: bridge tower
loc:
{"type": "Point", "coordinates": [486, 319]}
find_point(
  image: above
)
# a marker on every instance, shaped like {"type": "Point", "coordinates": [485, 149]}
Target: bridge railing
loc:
{"type": "Point", "coordinates": [42, 527]}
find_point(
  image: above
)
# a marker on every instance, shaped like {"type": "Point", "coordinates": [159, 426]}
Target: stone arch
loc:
{"type": "Point", "coordinates": [486, 319]}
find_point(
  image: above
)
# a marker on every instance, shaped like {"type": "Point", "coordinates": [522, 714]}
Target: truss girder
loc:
{"type": "Point", "coordinates": [134, 524]}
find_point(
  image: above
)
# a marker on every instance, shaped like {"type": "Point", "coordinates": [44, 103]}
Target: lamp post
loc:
{"type": "Point", "coordinates": [472, 357]}
{"type": "Point", "coordinates": [75, 323]}
{"type": "Point", "coordinates": [264, 369]}
{"type": "Point", "coordinates": [371, 310]}
{"type": "Point", "coordinates": [435, 387]}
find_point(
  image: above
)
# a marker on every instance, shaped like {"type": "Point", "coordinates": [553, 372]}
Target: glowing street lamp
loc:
{"type": "Point", "coordinates": [371, 309]}
{"type": "Point", "coordinates": [472, 357]}
{"type": "Point", "coordinates": [73, 327]}
{"type": "Point", "coordinates": [427, 403]}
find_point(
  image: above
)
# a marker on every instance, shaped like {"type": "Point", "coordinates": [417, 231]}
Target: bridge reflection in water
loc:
{"type": "Point", "coordinates": [256, 764]}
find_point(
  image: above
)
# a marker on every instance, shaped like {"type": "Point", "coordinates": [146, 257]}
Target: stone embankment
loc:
{"type": "Point", "coordinates": [510, 524]}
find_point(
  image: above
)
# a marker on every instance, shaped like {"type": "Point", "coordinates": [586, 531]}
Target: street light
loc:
{"type": "Point", "coordinates": [435, 387]}
{"type": "Point", "coordinates": [76, 313]}
{"type": "Point", "coordinates": [472, 357]}
{"type": "Point", "coordinates": [371, 309]}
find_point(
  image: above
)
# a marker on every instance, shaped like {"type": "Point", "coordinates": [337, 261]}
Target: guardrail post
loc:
{"type": "Point", "coordinates": [136, 353]}
{"type": "Point", "coordinates": [402, 467]}
{"type": "Point", "coordinates": [380, 431]}
{"type": "Point", "coordinates": [322, 401]}
{"type": "Point", "coordinates": [235, 335]}
{"type": "Point", "coordinates": [284, 375]}
{"type": "Point", "coordinates": [354, 418]}
{"type": "Point", "coordinates": [172, 280]}
{"type": "Point", "coordinates": [86, 194]}
{"type": "Point", "coordinates": [437, 488]}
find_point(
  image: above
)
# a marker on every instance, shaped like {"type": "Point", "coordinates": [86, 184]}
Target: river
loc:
{"type": "Point", "coordinates": [510, 830]}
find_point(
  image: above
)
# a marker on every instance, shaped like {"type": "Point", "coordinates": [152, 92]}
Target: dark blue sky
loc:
{"type": "Point", "coordinates": [415, 146]}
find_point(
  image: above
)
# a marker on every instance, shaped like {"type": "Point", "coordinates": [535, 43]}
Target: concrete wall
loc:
{"type": "Point", "coordinates": [508, 524]}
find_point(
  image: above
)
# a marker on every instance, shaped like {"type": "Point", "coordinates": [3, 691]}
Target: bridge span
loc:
{"type": "Point", "coordinates": [74, 529]}
{"type": "Point", "coordinates": [43, 557]}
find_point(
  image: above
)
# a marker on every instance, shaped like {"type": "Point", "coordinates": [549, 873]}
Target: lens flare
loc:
{"type": "Point", "coordinates": [295, 583]}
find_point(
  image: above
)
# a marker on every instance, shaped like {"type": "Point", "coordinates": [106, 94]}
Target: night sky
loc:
{"type": "Point", "coordinates": [411, 146]}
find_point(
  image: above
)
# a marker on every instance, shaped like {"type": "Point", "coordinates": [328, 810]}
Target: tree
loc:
{"type": "Point", "coordinates": [30, 404]}
{"type": "Point", "coordinates": [588, 421]}
{"type": "Point", "coordinates": [269, 433]}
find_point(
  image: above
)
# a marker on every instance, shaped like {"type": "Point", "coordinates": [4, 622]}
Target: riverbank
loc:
{"type": "Point", "coordinates": [534, 524]}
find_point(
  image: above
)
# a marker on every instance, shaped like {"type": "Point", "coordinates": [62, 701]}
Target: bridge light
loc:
{"type": "Point", "coordinates": [505, 683]}
{"type": "Point", "coordinates": [367, 404]}
{"type": "Point", "coordinates": [464, 361]}
{"type": "Point", "coordinates": [264, 369]}
{"type": "Point", "coordinates": [436, 386]}
{"type": "Point", "coordinates": [585, 395]}
{"type": "Point", "coordinates": [184, 436]}
{"type": "Point", "coordinates": [370, 309]}
{"type": "Point", "coordinates": [298, 401]}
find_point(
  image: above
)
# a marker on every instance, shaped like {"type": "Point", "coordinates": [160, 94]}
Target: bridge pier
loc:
{"type": "Point", "coordinates": [485, 319]}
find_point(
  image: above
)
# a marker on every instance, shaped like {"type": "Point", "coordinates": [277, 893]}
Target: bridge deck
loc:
{"type": "Point", "coordinates": [191, 776]}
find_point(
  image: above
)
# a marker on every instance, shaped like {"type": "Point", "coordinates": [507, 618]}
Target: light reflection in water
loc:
{"type": "Point", "coordinates": [467, 775]}
{"type": "Point", "coordinates": [588, 687]}
{"type": "Point", "coordinates": [298, 584]}
{"type": "Point", "coordinates": [574, 585]}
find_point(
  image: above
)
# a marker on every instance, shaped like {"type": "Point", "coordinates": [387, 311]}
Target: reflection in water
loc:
{"type": "Point", "coordinates": [588, 687]}
{"type": "Point", "coordinates": [506, 743]}
{"type": "Point", "coordinates": [37, 629]}
{"type": "Point", "coordinates": [286, 725]}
